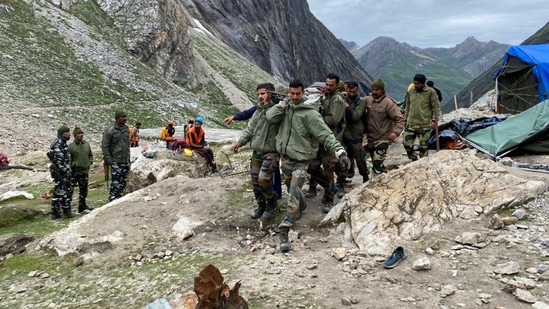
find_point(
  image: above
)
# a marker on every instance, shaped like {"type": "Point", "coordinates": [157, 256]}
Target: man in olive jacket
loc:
{"type": "Point", "coordinates": [82, 159]}
{"type": "Point", "coordinates": [116, 153]}
{"type": "Point", "coordinates": [422, 108]}
{"type": "Point", "coordinates": [301, 131]}
{"type": "Point", "coordinates": [261, 135]}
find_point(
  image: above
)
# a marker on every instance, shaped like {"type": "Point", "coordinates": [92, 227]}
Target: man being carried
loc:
{"type": "Point", "coordinates": [301, 131]}
{"type": "Point", "coordinates": [385, 123]}
{"type": "Point", "coordinates": [261, 135]}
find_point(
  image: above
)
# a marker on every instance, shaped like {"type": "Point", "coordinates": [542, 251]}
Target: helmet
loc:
{"type": "Point", "coordinates": [170, 122]}
{"type": "Point", "coordinates": [199, 120]}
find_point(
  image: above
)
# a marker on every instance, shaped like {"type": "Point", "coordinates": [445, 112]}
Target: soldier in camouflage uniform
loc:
{"type": "Point", "coordinates": [332, 111]}
{"type": "Point", "coordinates": [422, 108]}
{"type": "Point", "coordinates": [385, 123]}
{"type": "Point", "coordinates": [60, 170]}
{"type": "Point", "coordinates": [264, 162]}
{"type": "Point", "coordinates": [82, 158]}
{"type": "Point", "coordinates": [301, 131]}
{"type": "Point", "coordinates": [116, 154]}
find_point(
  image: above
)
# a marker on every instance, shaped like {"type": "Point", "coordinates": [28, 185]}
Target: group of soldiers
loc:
{"type": "Point", "coordinates": [71, 165]}
{"type": "Point", "coordinates": [323, 137]}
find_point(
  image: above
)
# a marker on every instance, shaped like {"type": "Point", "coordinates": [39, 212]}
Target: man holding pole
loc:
{"type": "Point", "coordinates": [422, 110]}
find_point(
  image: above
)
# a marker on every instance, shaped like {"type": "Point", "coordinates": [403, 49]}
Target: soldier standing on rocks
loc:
{"type": "Point", "coordinates": [116, 153]}
{"type": "Point", "coordinates": [302, 129]}
{"type": "Point", "coordinates": [60, 170]}
{"type": "Point", "coordinates": [81, 161]}
{"type": "Point", "coordinates": [422, 108]}
{"type": "Point", "coordinates": [264, 162]}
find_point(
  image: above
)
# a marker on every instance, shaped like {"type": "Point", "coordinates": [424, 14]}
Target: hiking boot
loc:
{"type": "Point", "coordinates": [269, 210]}
{"type": "Point", "coordinates": [85, 210]}
{"type": "Point", "coordinates": [395, 258]}
{"type": "Point", "coordinates": [284, 240]}
{"type": "Point", "coordinates": [67, 214]}
{"type": "Point", "coordinates": [327, 206]}
{"type": "Point", "coordinates": [341, 191]}
{"type": "Point", "coordinates": [311, 192]}
{"type": "Point", "coordinates": [258, 212]}
{"type": "Point", "coordinates": [55, 214]}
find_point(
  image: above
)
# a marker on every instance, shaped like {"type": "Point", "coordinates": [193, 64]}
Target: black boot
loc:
{"type": "Point", "coordinates": [55, 214]}
{"type": "Point", "coordinates": [341, 190]}
{"type": "Point", "coordinates": [327, 205]}
{"type": "Point", "coordinates": [83, 208]}
{"type": "Point", "coordinates": [67, 213]}
{"type": "Point", "coordinates": [269, 210]}
{"type": "Point", "coordinates": [312, 188]}
{"type": "Point", "coordinates": [258, 212]}
{"type": "Point", "coordinates": [284, 240]}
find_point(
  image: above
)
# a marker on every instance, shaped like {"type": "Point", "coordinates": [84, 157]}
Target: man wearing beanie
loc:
{"type": "Point", "coordinates": [60, 171]}
{"type": "Point", "coordinates": [116, 154]}
{"type": "Point", "coordinates": [422, 108]}
{"type": "Point", "coordinates": [384, 124]}
{"type": "Point", "coordinates": [81, 161]}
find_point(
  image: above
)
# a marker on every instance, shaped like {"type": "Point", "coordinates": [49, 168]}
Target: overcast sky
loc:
{"type": "Point", "coordinates": [431, 23]}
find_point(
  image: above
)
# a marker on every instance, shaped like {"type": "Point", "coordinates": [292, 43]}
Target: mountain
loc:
{"type": "Point", "coordinates": [484, 82]}
{"type": "Point", "coordinates": [352, 46]}
{"type": "Point", "coordinates": [396, 63]}
{"type": "Point", "coordinates": [76, 61]}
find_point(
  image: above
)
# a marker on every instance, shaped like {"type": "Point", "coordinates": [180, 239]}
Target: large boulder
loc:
{"type": "Point", "coordinates": [418, 198]}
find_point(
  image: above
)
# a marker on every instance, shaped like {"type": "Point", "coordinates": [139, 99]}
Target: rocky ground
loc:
{"type": "Point", "coordinates": [142, 252]}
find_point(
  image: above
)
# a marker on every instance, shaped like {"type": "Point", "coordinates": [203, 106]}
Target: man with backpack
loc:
{"type": "Point", "coordinates": [167, 134]}
{"type": "Point", "coordinates": [81, 161]}
{"type": "Point", "coordinates": [134, 135]}
{"type": "Point", "coordinates": [116, 154]}
{"type": "Point", "coordinates": [60, 170]}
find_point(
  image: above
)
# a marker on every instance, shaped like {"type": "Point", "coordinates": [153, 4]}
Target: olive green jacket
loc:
{"type": "Point", "coordinates": [333, 112]}
{"type": "Point", "coordinates": [421, 107]}
{"type": "Point", "coordinates": [260, 133]}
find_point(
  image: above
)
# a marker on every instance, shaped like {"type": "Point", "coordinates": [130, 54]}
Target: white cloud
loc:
{"type": "Point", "coordinates": [430, 23]}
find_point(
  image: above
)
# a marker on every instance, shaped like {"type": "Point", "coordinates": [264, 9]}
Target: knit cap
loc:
{"type": "Point", "coordinates": [62, 129]}
{"type": "Point", "coordinates": [379, 84]}
{"type": "Point", "coordinates": [77, 130]}
{"type": "Point", "coordinates": [120, 114]}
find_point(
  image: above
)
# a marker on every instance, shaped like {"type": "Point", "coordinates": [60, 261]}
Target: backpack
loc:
{"type": "Point", "coordinates": [163, 133]}
{"type": "Point", "coordinates": [4, 161]}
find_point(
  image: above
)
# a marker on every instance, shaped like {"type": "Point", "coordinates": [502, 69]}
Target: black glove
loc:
{"type": "Point", "coordinates": [345, 161]}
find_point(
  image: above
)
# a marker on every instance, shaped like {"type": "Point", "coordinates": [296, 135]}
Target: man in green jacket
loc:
{"type": "Point", "coordinates": [422, 108]}
{"type": "Point", "coordinates": [81, 161]}
{"type": "Point", "coordinates": [332, 110]}
{"type": "Point", "coordinates": [261, 136]}
{"type": "Point", "coordinates": [116, 153]}
{"type": "Point", "coordinates": [301, 131]}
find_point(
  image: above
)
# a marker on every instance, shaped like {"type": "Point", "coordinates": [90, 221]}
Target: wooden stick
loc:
{"type": "Point", "coordinates": [455, 102]}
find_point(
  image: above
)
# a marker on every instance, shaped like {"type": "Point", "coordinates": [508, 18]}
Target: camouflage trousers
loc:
{"type": "Point", "coordinates": [61, 199]}
{"type": "Point", "coordinates": [80, 180]}
{"type": "Point", "coordinates": [119, 178]}
{"type": "Point", "coordinates": [294, 174]}
{"type": "Point", "coordinates": [262, 169]}
{"type": "Point", "coordinates": [325, 175]}
{"type": "Point", "coordinates": [378, 153]}
{"type": "Point", "coordinates": [410, 135]}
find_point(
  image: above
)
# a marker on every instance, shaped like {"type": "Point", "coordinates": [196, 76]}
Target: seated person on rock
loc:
{"type": "Point", "coordinates": [195, 139]}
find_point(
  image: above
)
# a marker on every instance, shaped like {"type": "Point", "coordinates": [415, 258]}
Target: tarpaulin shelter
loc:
{"type": "Point", "coordinates": [527, 131]}
{"type": "Point", "coordinates": [522, 80]}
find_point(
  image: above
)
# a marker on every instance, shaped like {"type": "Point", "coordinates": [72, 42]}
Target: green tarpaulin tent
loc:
{"type": "Point", "coordinates": [528, 131]}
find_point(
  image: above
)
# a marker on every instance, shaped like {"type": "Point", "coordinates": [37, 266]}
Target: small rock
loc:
{"type": "Point", "coordinates": [540, 305]}
{"type": "Point", "coordinates": [422, 263]}
{"type": "Point", "coordinates": [34, 273]}
{"type": "Point", "coordinates": [525, 296]}
{"type": "Point", "coordinates": [496, 222]}
{"type": "Point", "coordinates": [520, 214]}
{"type": "Point", "coordinates": [510, 220]}
{"type": "Point", "coordinates": [430, 251]}
{"type": "Point", "coordinates": [339, 253]}
{"type": "Point", "coordinates": [447, 290]}
{"type": "Point", "coordinates": [508, 268]}
{"type": "Point", "coordinates": [346, 301]}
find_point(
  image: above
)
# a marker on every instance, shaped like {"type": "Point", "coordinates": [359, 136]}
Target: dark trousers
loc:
{"type": "Point", "coordinates": [80, 180]}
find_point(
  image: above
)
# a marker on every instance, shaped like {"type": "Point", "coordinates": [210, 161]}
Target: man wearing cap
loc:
{"type": "Point", "coordinates": [81, 161]}
{"type": "Point", "coordinates": [384, 124]}
{"type": "Point", "coordinates": [60, 170]}
{"type": "Point", "coordinates": [116, 153]}
{"type": "Point", "coordinates": [196, 140]}
{"type": "Point", "coordinates": [170, 132]}
{"type": "Point", "coordinates": [422, 108]}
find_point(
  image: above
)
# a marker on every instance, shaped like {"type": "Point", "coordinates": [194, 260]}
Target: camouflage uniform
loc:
{"type": "Point", "coordinates": [60, 170]}
{"type": "Point", "coordinates": [422, 107]}
{"type": "Point", "coordinates": [82, 159]}
{"type": "Point", "coordinates": [264, 162]}
{"type": "Point", "coordinates": [116, 153]}
{"type": "Point", "coordinates": [384, 118]}
{"type": "Point", "coordinates": [333, 113]}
